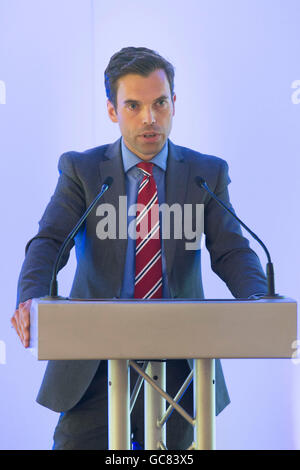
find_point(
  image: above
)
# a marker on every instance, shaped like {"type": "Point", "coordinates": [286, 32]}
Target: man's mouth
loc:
{"type": "Point", "coordinates": [150, 136]}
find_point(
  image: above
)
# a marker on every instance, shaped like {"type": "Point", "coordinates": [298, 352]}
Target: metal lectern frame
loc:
{"type": "Point", "coordinates": [157, 331]}
{"type": "Point", "coordinates": [155, 396]}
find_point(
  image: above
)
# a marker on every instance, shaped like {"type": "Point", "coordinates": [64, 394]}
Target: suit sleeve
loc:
{"type": "Point", "coordinates": [62, 213]}
{"type": "Point", "coordinates": [231, 257]}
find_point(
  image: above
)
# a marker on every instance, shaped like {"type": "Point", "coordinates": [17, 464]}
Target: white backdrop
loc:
{"type": "Point", "coordinates": [236, 65]}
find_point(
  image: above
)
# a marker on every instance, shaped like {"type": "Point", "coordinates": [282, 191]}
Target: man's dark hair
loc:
{"type": "Point", "coordinates": [137, 60]}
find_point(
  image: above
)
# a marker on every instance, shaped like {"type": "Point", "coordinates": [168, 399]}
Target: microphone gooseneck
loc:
{"type": "Point", "coordinates": [53, 285]}
{"type": "Point", "coordinates": [269, 268]}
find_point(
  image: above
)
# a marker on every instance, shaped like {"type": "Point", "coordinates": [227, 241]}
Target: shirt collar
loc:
{"type": "Point", "coordinates": [130, 159]}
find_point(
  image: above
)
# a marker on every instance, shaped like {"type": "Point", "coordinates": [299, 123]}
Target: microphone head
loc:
{"type": "Point", "coordinates": [108, 181]}
{"type": "Point", "coordinates": [200, 181]}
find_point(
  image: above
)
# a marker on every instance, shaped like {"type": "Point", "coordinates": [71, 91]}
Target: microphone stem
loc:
{"type": "Point", "coordinates": [240, 221]}
{"type": "Point", "coordinates": [72, 234]}
{"type": "Point", "coordinates": [269, 267]}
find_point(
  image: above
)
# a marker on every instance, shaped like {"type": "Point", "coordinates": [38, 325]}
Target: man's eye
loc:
{"type": "Point", "coordinates": [132, 106]}
{"type": "Point", "coordinates": [162, 102]}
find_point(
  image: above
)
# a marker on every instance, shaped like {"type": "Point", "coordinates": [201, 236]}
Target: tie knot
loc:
{"type": "Point", "coordinates": [146, 168]}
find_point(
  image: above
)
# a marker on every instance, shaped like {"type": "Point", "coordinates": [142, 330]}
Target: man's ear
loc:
{"type": "Point", "coordinates": [174, 99]}
{"type": "Point", "coordinates": [111, 112]}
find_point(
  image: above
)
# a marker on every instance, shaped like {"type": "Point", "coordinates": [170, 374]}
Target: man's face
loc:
{"type": "Point", "coordinates": [144, 111]}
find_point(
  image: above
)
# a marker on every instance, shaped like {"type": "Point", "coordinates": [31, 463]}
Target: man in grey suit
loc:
{"type": "Point", "coordinates": [141, 99]}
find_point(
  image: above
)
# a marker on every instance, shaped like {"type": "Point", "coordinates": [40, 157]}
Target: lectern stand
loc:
{"type": "Point", "coordinates": [126, 331]}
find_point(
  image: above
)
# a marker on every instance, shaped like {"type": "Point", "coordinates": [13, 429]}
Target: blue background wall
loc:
{"type": "Point", "coordinates": [236, 63]}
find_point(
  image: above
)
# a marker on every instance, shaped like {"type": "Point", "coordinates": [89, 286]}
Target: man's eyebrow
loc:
{"type": "Point", "coordinates": [130, 101]}
{"type": "Point", "coordinates": [162, 97]}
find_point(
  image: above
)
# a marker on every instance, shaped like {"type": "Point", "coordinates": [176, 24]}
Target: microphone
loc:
{"type": "Point", "coordinates": [269, 269]}
{"type": "Point", "coordinates": [53, 285]}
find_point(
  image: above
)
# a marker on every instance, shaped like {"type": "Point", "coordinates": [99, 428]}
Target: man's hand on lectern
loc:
{"type": "Point", "coordinates": [21, 322]}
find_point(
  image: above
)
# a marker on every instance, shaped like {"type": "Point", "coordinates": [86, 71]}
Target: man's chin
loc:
{"type": "Point", "coordinates": [147, 154]}
{"type": "Point", "coordinates": [146, 150]}
{"type": "Point", "coordinates": [150, 148]}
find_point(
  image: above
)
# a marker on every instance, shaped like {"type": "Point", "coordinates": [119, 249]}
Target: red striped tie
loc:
{"type": "Point", "coordinates": [148, 269]}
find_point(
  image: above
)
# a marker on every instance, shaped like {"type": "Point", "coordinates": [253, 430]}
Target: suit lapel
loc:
{"type": "Point", "coordinates": [112, 165]}
{"type": "Point", "coordinates": [176, 185]}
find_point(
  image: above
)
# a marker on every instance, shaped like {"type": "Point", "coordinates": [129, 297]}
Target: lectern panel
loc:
{"type": "Point", "coordinates": [116, 329]}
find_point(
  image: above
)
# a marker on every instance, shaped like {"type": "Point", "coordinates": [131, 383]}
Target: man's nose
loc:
{"type": "Point", "coordinates": [149, 116]}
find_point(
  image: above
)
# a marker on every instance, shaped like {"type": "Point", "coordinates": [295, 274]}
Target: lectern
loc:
{"type": "Point", "coordinates": [126, 332]}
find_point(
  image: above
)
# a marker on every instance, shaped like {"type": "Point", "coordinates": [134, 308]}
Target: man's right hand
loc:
{"type": "Point", "coordinates": [21, 322]}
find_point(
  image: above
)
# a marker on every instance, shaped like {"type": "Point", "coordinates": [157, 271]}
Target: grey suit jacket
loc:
{"type": "Point", "coordinates": [100, 263]}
